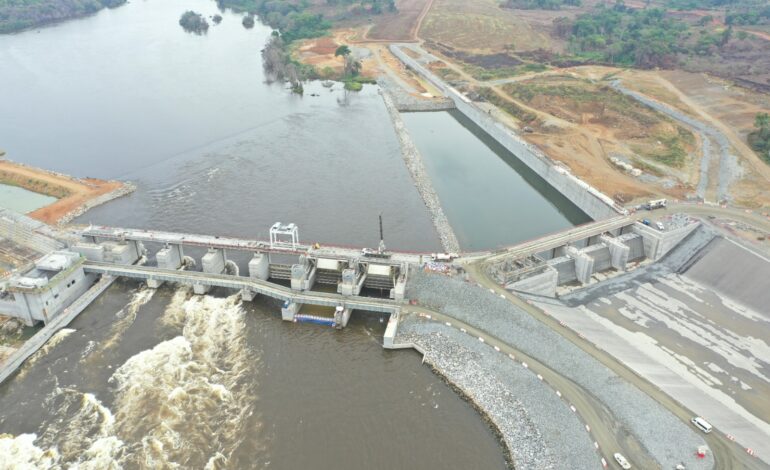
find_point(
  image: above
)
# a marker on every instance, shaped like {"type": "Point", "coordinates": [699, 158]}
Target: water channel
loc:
{"type": "Point", "coordinates": [22, 200]}
{"type": "Point", "coordinates": [155, 379]}
{"type": "Point", "coordinates": [490, 197]}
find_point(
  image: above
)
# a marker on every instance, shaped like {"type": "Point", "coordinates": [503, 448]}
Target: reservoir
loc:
{"type": "Point", "coordinates": [490, 197]}
{"type": "Point", "coordinates": [22, 200]}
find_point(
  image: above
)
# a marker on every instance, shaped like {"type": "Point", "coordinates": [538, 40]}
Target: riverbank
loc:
{"type": "Point", "coordinates": [74, 196]}
{"type": "Point", "coordinates": [527, 416]}
{"type": "Point", "coordinates": [18, 16]}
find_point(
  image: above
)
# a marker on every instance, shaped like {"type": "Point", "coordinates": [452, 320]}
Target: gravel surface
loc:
{"type": "Point", "coordinates": [665, 438]}
{"type": "Point", "coordinates": [537, 427]}
{"type": "Point", "coordinates": [406, 101]}
{"type": "Point", "coordinates": [729, 169]}
{"type": "Point", "coordinates": [414, 164]}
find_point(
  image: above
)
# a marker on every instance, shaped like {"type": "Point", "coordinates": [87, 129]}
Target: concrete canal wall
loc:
{"type": "Point", "coordinates": [589, 199]}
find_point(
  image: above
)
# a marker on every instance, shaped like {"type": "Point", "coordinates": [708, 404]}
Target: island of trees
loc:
{"type": "Point", "coordinates": [193, 22]}
{"type": "Point", "coordinates": [16, 15]}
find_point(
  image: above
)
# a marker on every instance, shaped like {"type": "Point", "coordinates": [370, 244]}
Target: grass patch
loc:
{"type": "Point", "coordinates": [509, 107]}
{"type": "Point", "coordinates": [672, 154]}
{"type": "Point", "coordinates": [486, 74]}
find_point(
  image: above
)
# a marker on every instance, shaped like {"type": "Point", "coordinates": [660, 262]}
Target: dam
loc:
{"type": "Point", "coordinates": [78, 264]}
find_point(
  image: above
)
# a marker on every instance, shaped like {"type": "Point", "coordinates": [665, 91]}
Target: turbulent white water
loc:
{"type": "Point", "coordinates": [184, 401]}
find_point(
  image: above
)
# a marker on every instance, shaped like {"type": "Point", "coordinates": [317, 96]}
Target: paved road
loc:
{"type": "Point", "coordinates": [728, 454]}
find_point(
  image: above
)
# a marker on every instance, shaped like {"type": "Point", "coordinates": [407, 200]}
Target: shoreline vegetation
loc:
{"type": "Point", "coordinates": [20, 15]}
{"type": "Point", "coordinates": [293, 22]}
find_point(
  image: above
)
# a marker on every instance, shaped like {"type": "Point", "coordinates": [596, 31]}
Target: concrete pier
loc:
{"type": "Point", "coordinates": [259, 266]}
{"type": "Point", "coordinates": [303, 274]}
{"type": "Point", "coordinates": [352, 281]}
{"type": "Point", "coordinates": [289, 310]}
{"type": "Point", "coordinates": [213, 262]}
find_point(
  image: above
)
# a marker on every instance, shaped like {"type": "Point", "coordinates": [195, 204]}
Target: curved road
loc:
{"type": "Point", "coordinates": [604, 429]}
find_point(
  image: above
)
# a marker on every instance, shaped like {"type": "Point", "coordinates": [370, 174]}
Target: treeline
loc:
{"type": "Point", "coordinates": [624, 36]}
{"type": "Point", "coordinates": [16, 15]}
{"type": "Point", "coordinates": [367, 6]}
{"type": "Point", "coordinates": [540, 4]}
{"type": "Point", "coordinates": [291, 19]}
{"type": "Point", "coordinates": [748, 17]}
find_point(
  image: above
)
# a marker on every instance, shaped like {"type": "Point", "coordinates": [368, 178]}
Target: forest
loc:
{"type": "Point", "coordinates": [16, 15]}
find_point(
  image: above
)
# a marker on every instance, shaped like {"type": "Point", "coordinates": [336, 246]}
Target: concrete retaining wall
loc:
{"type": "Point", "coordinates": [657, 244]}
{"type": "Point", "coordinates": [27, 232]}
{"type": "Point", "coordinates": [590, 200]}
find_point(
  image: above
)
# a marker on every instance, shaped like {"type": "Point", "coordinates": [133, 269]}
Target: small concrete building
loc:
{"type": "Point", "coordinates": [44, 291]}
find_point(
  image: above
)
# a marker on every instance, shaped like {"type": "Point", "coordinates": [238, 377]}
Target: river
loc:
{"type": "Point", "coordinates": [153, 379]}
{"type": "Point", "coordinates": [148, 379]}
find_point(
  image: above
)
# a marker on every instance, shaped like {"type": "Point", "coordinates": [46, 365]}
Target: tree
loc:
{"type": "Point", "coordinates": [762, 122]}
{"type": "Point", "coordinates": [759, 140]}
{"type": "Point", "coordinates": [193, 22]}
{"type": "Point", "coordinates": [352, 66]}
{"type": "Point", "coordinates": [343, 51]}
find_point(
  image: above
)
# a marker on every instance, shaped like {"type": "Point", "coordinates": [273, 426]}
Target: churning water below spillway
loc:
{"type": "Point", "coordinates": [164, 379]}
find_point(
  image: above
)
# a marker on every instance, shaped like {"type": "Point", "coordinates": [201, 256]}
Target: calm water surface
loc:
{"type": "Point", "coordinates": [490, 197]}
{"type": "Point", "coordinates": [162, 379]}
{"type": "Point", "coordinates": [22, 200]}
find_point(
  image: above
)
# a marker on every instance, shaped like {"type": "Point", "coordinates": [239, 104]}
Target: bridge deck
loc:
{"type": "Point", "coordinates": [544, 243]}
{"type": "Point", "coordinates": [558, 239]}
{"type": "Point", "coordinates": [238, 282]}
{"type": "Point", "coordinates": [231, 243]}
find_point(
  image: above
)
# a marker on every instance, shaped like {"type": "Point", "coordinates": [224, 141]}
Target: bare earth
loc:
{"type": "Point", "coordinates": [72, 192]}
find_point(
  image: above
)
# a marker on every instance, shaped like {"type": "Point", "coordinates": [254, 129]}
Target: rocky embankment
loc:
{"type": "Point", "coordinates": [536, 427]}
{"type": "Point", "coordinates": [413, 160]}
{"type": "Point", "coordinates": [663, 436]}
{"type": "Point", "coordinates": [125, 189]}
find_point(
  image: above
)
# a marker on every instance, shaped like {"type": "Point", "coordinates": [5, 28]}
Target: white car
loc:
{"type": "Point", "coordinates": [622, 461]}
{"type": "Point", "coordinates": [701, 424]}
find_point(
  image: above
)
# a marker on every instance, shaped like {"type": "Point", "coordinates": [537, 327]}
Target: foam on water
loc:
{"type": "Point", "coordinates": [21, 453]}
{"type": "Point", "coordinates": [180, 404]}
{"type": "Point", "coordinates": [126, 317]}
{"type": "Point", "coordinates": [56, 339]}
{"type": "Point", "coordinates": [182, 401]}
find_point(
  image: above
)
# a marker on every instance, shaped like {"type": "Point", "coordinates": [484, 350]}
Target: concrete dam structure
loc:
{"type": "Point", "coordinates": [321, 285]}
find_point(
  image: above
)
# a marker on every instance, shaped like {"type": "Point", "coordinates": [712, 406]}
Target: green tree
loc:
{"type": "Point", "coordinates": [762, 122]}
{"type": "Point", "coordinates": [343, 51]}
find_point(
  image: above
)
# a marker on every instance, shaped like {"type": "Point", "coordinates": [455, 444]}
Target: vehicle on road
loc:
{"type": "Point", "coordinates": [622, 461]}
{"type": "Point", "coordinates": [646, 222]}
{"type": "Point", "coordinates": [701, 424]}
{"type": "Point", "coordinates": [656, 204]}
{"type": "Point", "coordinates": [660, 226]}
